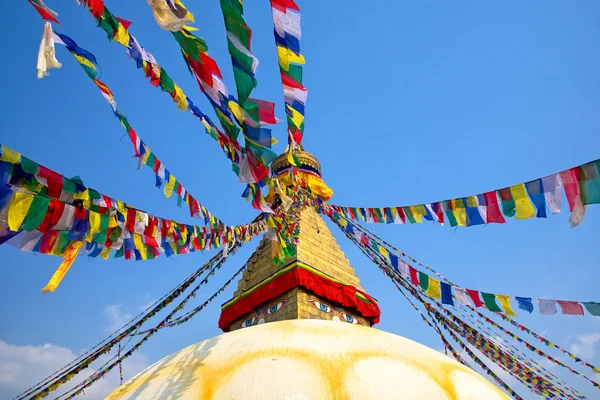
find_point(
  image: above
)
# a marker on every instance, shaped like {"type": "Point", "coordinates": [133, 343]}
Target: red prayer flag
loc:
{"type": "Point", "coordinates": [400, 212]}
{"type": "Point", "coordinates": [59, 208]}
{"type": "Point", "coordinates": [210, 64]}
{"type": "Point", "coordinates": [130, 224]}
{"type": "Point", "coordinates": [45, 225]}
{"type": "Point", "coordinates": [281, 5]}
{"type": "Point", "coordinates": [413, 275]}
{"type": "Point", "coordinates": [126, 24]}
{"type": "Point", "coordinates": [570, 307]}
{"type": "Point", "coordinates": [54, 181]}
{"type": "Point", "coordinates": [493, 213]}
{"type": "Point", "coordinates": [570, 181]}
{"type": "Point", "coordinates": [44, 13]}
{"type": "Point", "coordinates": [474, 295]}
{"type": "Point", "coordinates": [96, 7]}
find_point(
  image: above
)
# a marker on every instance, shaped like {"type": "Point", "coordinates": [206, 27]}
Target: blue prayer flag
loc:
{"type": "Point", "coordinates": [525, 303]}
{"type": "Point", "coordinates": [446, 293]}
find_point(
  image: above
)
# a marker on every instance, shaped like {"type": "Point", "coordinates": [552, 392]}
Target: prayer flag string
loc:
{"type": "Point", "coordinates": [580, 184]}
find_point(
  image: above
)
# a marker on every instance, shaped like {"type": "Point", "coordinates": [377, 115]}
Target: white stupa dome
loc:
{"type": "Point", "coordinates": [306, 360]}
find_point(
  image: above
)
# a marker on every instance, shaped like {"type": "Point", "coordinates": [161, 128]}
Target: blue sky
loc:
{"type": "Point", "coordinates": [409, 102]}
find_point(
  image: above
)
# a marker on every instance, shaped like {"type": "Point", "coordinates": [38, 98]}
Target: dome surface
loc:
{"type": "Point", "coordinates": [306, 360]}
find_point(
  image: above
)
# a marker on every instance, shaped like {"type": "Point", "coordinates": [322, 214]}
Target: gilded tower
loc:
{"type": "Point", "coordinates": [318, 283]}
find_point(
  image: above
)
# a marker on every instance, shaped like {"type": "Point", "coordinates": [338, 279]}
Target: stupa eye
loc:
{"type": "Point", "coordinates": [350, 318]}
{"type": "Point", "coordinates": [321, 306]}
{"type": "Point", "coordinates": [249, 322]}
{"type": "Point", "coordinates": [275, 307]}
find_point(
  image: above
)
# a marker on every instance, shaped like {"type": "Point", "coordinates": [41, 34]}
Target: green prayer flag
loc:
{"type": "Point", "coordinates": [29, 166]}
{"type": "Point", "coordinates": [100, 237]}
{"type": "Point", "coordinates": [244, 82]}
{"type": "Point", "coordinates": [151, 159]}
{"type": "Point", "coordinates": [490, 302]}
{"type": "Point", "coordinates": [589, 182]}
{"type": "Point", "coordinates": [69, 186]}
{"type": "Point", "coordinates": [91, 72]}
{"type": "Point", "coordinates": [423, 280]}
{"type": "Point", "coordinates": [62, 242]}
{"type": "Point", "coordinates": [592, 307]}
{"type": "Point", "coordinates": [409, 215]}
{"type": "Point", "coordinates": [119, 253]}
{"type": "Point", "coordinates": [295, 72]}
{"type": "Point", "coordinates": [37, 212]}
{"type": "Point", "coordinates": [166, 83]}
{"type": "Point", "coordinates": [115, 234]}
{"type": "Point", "coordinates": [508, 203]}
{"type": "Point", "coordinates": [191, 44]}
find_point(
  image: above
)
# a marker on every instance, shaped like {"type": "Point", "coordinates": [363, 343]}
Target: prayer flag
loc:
{"type": "Point", "coordinates": [570, 181]}
{"type": "Point", "coordinates": [36, 213]}
{"type": "Point", "coordinates": [535, 189]}
{"type": "Point", "coordinates": [505, 302]}
{"type": "Point", "coordinates": [63, 268]}
{"type": "Point", "coordinates": [45, 12]}
{"type": "Point", "coordinates": [592, 307]}
{"type": "Point", "coordinates": [473, 212]}
{"type": "Point", "coordinates": [524, 208]}
{"type": "Point", "coordinates": [547, 307]}
{"type": "Point", "coordinates": [18, 210]}
{"type": "Point", "coordinates": [508, 203]}
{"type": "Point", "coordinates": [492, 209]}
{"type": "Point", "coordinates": [423, 280]}
{"type": "Point", "coordinates": [589, 182]}
{"type": "Point", "coordinates": [525, 303]}
{"type": "Point", "coordinates": [474, 295]}
{"type": "Point", "coordinates": [446, 293]}
{"type": "Point", "coordinates": [570, 307]}
{"type": "Point", "coordinates": [434, 288]}
{"type": "Point", "coordinates": [552, 192]}
{"type": "Point", "coordinates": [413, 275]}
{"type": "Point", "coordinates": [490, 302]}
{"type": "Point", "coordinates": [461, 296]}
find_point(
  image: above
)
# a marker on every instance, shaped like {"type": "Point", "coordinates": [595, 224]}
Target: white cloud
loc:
{"type": "Point", "coordinates": [585, 346]}
{"type": "Point", "coordinates": [116, 317]}
{"type": "Point", "coordinates": [23, 366]}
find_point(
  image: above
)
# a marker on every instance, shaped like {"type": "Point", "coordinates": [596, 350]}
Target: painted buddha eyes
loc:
{"type": "Point", "coordinates": [249, 322]}
{"type": "Point", "coordinates": [275, 307]}
{"type": "Point", "coordinates": [350, 318]}
{"type": "Point", "coordinates": [321, 306]}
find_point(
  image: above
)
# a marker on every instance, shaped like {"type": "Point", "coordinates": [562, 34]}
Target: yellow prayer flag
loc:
{"type": "Point", "coordinates": [236, 110]}
{"type": "Point", "coordinates": [122, 35]}
{"type": "Point", "coordinates": [137, 241]}
{"type": "Point", "coordinates": [472, 201]}
{"type": "Point", "coordinates": [286, 56]}
{"type": "Point", "coordinates": [112, 222]}
{"type": "Point", "coordinates": [505, 302]}
{"type": "Point", "coordinates": [84, 61]}
{"type": "Point", "coordinates": [105, 253]}
{"type": "Point", "coordinates": [170, 186]}
{"type": "Point", "coordinates": [121, 207]}
{"type": "Point", "coordinates": [10, 156]}
{"type": "Point", "coordinates": [383, 252]}
{"type": "Point", "coordinates": [416, 214]}
{"type": "Point", "coordinates": [296, 117]}
{"type": "Point", "coordinates": [460, 213]}
{"type": "Point", "coordinates": [434, 290]}
{"type": "Point", "coordinates": [21, 202]}
{"type": "Point", "coordinates": [179, 97]}
{"type": "Point", "coordinates": [70, 255]}
{"type": "Point", "coordinates": [95, 223]}
{"type": "Point", "coordinates": [522, 203]}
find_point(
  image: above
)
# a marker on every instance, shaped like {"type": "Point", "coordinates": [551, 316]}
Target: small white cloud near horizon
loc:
{"type": "Point", "coordinates": [585, 345]}
{"type": "Point", "coordinates": [116, 317]}
{"type": "Point", "coordinates": [23, 366]}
